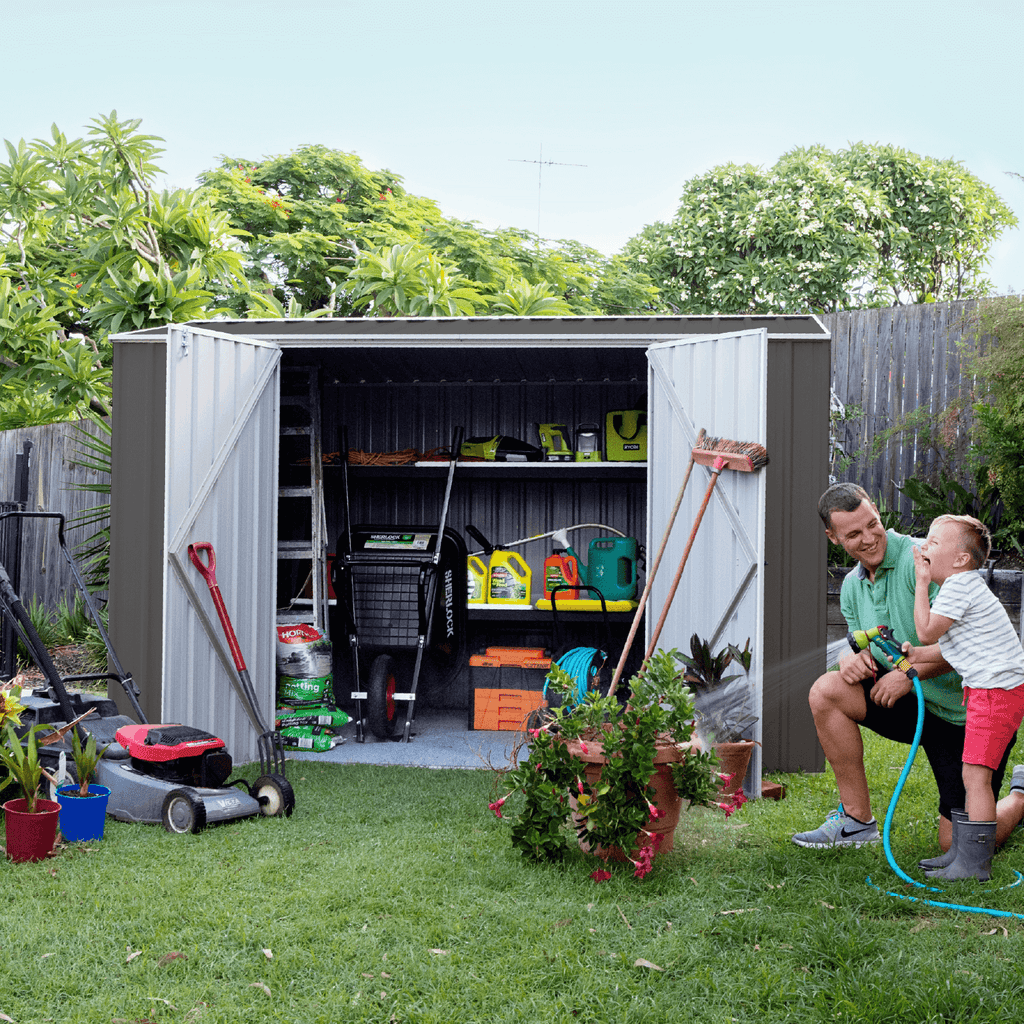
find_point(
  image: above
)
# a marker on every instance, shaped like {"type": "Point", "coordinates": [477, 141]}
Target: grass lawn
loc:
{"type": "Point", "coordinates": [393, 894]}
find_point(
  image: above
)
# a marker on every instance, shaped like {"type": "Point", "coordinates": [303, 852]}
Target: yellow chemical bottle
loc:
{"type": "Point", "coordinates": [508, 579]}
{"type": "Point", "coordinates": [476, 580]}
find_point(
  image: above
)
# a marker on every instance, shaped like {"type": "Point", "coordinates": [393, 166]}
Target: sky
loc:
{"type": "Point", "coordinates": [622, 101]}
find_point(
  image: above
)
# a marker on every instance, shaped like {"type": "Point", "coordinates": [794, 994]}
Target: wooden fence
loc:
{"type": "Point", "coordinates": [898, 364]}
{"type": "Point", "coordinates": [53, 474]}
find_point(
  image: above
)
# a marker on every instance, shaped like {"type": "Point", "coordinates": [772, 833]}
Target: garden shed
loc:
{"type": "Point", "coordinates": [225, 432]}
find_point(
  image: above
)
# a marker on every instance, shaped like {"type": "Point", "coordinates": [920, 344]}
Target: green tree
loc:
{"type": "Point", "coordinates": [324, 233]}
{"type": "Point", "coordinates": [88, 247]}
{"type": "Point", "coordinates": [823, 231]}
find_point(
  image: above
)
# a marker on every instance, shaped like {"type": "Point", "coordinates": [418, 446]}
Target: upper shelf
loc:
{"type": "Point", "coordinates": [508, 470]}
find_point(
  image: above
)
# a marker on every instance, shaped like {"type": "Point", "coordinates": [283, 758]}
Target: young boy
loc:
{"type": "Point", "coordinates": [976, 637]}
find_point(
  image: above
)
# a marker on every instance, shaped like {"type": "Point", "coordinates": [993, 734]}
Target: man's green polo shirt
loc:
{"type": "Point", "coordinates": [889, 601]}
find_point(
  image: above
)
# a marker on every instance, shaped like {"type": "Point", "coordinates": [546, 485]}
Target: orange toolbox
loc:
{"type": "Point", "coordinates": [506, 685]}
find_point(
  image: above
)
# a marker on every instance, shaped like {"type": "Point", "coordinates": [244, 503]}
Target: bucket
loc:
{"type": "Point", "coordinates": [30, 836]}
{"type": "Point", "coordinates": [82, 817]}
{"type": "Point", "coordinates": [508, 579]}
{"type": "Point", "coordinates": [476, 580]}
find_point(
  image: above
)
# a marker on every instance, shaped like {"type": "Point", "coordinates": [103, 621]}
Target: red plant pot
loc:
{"type": "Point", "coordinates": [30, 836]}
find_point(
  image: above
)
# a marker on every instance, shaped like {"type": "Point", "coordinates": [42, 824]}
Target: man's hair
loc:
{"type": "Point", "coordinates": [840, 498]}
{"type": "Point", "coordinates": [974, 537]}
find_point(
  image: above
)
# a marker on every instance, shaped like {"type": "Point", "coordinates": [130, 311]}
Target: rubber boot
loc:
{"type": "Point", "coordinates": [956, 816]}
{"type": "Point", "coordinates": [975, 845]}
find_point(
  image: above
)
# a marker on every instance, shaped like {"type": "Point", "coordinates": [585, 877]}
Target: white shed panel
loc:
{"type": "Point", "coordinates": [221, 487]}
{"type": "Point", "coordinates": [718, 383]}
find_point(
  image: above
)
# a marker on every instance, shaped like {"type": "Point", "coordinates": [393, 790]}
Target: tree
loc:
{"type": "Point", "coordinates": [89, 247]}
{"type": "Point", "coordinates": [323, 233]}
{"type": "Point", "coordinates": [866, 226]}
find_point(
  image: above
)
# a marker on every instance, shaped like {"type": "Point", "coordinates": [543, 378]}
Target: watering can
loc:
{"type": "Point", "coordinates": [610, 568]}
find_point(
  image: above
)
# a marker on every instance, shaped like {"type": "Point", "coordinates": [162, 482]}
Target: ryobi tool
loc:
{"type": "Point", "coordinates": [500, 448]}
{"type": "Point", "coordinates": [552, 440]}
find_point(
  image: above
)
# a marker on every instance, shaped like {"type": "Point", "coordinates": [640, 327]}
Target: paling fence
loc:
{"type": "Point", "coordinates": [895, 366]}
{"type": "Point", "coordinates": [48, 485]}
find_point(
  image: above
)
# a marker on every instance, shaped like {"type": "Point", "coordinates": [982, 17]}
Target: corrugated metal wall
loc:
{"type": "Point", "coordinates": [719, 384]}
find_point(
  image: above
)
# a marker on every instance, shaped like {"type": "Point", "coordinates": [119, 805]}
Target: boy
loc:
{"type": "Point", "coordinates": [975, 636]}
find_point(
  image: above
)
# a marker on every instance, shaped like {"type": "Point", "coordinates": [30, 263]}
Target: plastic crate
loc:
{"type": "Point", "coordinates": [503, 710]}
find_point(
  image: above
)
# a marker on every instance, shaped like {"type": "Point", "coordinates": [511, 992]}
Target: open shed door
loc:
{"type": "Point", "coordinates": [222, 419]}
{"type": "Point", "coordinates": [718, 383]}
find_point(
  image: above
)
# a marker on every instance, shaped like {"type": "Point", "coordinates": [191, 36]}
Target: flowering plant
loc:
{"type": "Point", "coordinates": [615, 811]}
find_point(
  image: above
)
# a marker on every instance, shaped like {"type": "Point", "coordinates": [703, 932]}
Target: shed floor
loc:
{"type": "Point", "coordinates": [440, 740]}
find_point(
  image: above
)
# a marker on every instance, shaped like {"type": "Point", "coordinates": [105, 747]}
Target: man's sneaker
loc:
{"type": "Point", "coordinates": [839, 829]}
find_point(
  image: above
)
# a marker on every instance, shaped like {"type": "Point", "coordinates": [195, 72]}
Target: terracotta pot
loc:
{"type": "Point", "coordinates": [30, 836]}
{"type": "Point", "coordinates": [665, 796]}
{"type": "Point", "coordinates": [733, 759]}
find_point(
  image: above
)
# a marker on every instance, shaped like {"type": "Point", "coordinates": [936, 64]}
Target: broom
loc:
{"type": "Point", "coordinates": [719, 453]}
{"type": "Point", "coordinates": [639, 614]}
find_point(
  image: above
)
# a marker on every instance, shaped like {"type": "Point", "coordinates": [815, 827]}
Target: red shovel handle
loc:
{"type": "Point", "coordinates": [209, 574]}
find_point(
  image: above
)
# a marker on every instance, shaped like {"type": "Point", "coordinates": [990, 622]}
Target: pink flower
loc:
{"type": "Point", "coordinates": [579, 786]}
{"type": "Point", "coordinates": [600, 875]}
{"type": "Point", "coordinates": [496, 807]}
{"type": "Point", "coordinates": [728, 808]}
{"type": "Point", "coordinates": [534, 733]}
{"type": "Point", "coordinates": [656, 813]}
{"type": "Point", "coordinates": [583, 747]}
{"type": "Point", "coordinates": [726, 779]}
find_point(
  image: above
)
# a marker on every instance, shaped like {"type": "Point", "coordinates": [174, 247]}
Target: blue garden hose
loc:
{"type": "Point", "coordinates": [578, 663]}
{"type": "Point", "coordinates": [891, 812]}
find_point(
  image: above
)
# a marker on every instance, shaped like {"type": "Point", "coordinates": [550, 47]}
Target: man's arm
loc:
{"type": "Point", "coordinates": [929, 626]}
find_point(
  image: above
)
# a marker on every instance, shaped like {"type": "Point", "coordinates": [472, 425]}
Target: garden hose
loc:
{"type": "Point", "coordinates": [580, 664]}
{"type": "Point", "coordinates": [882, 637]}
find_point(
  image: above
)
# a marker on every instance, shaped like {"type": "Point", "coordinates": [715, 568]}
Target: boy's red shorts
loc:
{"type": "Point", "coordinates": [993, 716]}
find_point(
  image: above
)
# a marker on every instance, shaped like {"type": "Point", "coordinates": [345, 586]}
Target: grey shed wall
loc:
{"type": "Point", "coordinates": [401, 383]}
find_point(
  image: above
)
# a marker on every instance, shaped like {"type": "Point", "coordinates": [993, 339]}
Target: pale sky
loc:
{"type": "Point", "coordinates": [451, 94]}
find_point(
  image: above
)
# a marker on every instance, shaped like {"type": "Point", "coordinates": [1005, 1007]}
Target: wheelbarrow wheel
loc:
{"type": "Point", "coordinates": [183, 811]}
{"type": "Point", "coordinates": [383, 711]}
{"type": "Point", "coordinates": [275, 795]}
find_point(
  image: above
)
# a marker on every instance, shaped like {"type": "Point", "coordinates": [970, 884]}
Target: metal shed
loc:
{"type": "Point", "coordinates": [200, 410]}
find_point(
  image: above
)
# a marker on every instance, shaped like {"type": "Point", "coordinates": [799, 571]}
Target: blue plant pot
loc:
{"type": "Point", "coordinates": [82, 817]}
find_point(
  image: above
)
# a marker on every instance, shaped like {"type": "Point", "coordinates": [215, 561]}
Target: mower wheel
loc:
{"type": "Point", "coordinates": [382, 711]}
{"type": "Point", "coordinates": [183, 811]}
{"type": "Point", "coordinates": [275, 795]}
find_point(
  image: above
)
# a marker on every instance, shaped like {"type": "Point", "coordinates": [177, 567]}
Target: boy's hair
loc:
{"type": "Point", "coordinates": [974, 537]}
{"type": "Point", "coordinates": [840, 498]}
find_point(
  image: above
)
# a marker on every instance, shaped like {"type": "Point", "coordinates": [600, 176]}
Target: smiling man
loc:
{"type": "Point", "coordinates": [866, 693]}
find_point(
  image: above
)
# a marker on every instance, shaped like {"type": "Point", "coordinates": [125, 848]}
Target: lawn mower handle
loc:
{"type": "Point", "coordinates": [208, 571]}
{"type": "Point", "coordinates": [881, 637]}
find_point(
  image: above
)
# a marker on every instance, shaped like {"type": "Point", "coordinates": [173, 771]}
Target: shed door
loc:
{"type": "Point", "coordinates": [718, 382]}
{"type": "Point", "coordinates": [221, 487]}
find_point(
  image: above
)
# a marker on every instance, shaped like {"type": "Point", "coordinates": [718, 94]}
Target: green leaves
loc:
{"type": "Point", "coordinates": [823, 231]}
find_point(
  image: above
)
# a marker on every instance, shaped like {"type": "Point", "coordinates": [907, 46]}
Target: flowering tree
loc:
{"type": "Point", "coordinates": [866, 226]}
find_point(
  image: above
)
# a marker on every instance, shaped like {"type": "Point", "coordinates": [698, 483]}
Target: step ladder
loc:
{"type": "Point", "coordinates": [300, 418]}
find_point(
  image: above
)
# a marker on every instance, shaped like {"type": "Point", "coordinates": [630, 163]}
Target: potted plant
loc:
{"type": "Point", "coordinates": [724, 703]}
{"type": "Point", "coordinates": [83, 805]}
{"type": "Point", "coordinates": [619, 771]}
{"type": "Point", "coordinates": [30, 822]}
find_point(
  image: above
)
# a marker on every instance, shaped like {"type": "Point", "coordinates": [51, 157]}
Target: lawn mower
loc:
{"type": "Point", "coordinates": [157, 773]}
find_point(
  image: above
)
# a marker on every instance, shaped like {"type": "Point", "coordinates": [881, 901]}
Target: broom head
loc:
{"type": "Point", "coordinates": [744, 456]}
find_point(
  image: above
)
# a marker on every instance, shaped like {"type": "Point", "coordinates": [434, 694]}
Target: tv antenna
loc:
{"type": "Point", "coordinates": [541, 164]}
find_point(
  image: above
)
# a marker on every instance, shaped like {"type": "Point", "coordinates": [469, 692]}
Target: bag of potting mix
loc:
{"type": "Point", "coordinates": [306, 716]}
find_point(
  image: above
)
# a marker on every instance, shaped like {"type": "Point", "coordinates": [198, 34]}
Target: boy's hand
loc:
{"type": "Point", "coordinates": [922, 567]}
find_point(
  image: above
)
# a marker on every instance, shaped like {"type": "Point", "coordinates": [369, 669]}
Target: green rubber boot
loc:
{"type": "Point", "coordinates": [943, 860]}
{"type": "Point", "coordinates": [975, 843]}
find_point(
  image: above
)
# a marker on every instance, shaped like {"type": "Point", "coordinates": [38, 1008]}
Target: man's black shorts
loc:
{"type": "Point", "coordinates": [942, 741]}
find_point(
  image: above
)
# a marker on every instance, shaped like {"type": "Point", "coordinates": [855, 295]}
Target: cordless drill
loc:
{"type": "Point", "coordinates": [882, 637]}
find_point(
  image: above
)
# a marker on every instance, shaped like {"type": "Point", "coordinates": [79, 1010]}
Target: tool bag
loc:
{"type": "Point", "coordinates": [625, 435]}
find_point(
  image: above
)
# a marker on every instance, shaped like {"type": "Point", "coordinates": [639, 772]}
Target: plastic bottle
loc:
{"type": "Point", "coordinates": [476, 580]}
{"type": "Point", "coordinates": [508, 578]}
{"type": "Point", "coordinates": [560, 569]}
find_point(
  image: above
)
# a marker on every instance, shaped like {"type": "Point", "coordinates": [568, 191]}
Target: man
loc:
{"type": "Point", "coordinates": [865, 693]}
